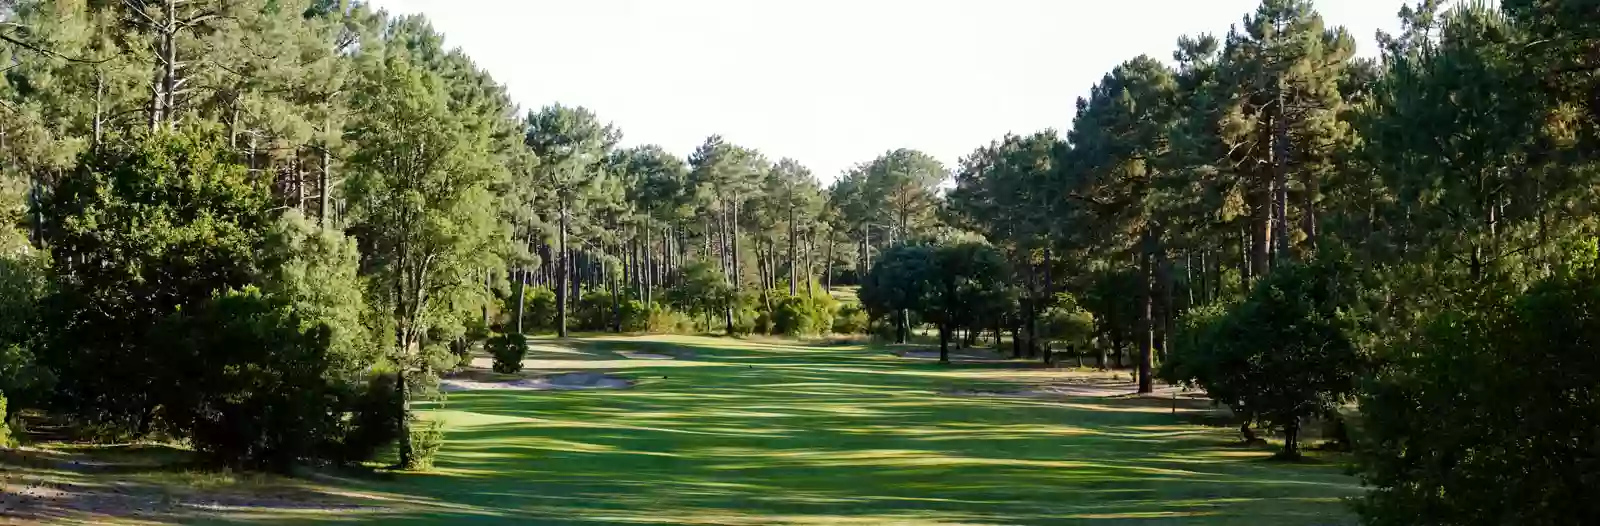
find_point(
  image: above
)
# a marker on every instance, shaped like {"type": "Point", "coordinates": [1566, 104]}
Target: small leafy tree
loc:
{"type": "Point", "coordinates": [899, 281]}
{"type": "Point", "coordinates": [1288, 352]}
{"type": "Point", "coordinates": [139, 231]}
{"type": "Point", "coordinates": [701, 290]}
{"type": "Point", "coordinates": [967, 284]}
{"type": "Point", "coordinates": [1067, 323]}
{"type": "Point", "coordinates": [257, 392]}
{"type": "Point", "coordinates": [508, 350]}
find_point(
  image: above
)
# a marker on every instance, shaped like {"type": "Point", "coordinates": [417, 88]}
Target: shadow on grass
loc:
{"type": "Point", "coordinates": [774, 432]}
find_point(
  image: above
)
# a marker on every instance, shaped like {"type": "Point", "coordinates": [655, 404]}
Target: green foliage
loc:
{"type": "Point", "coordinates": [1067, 323]}
{"type": "Point", "coordinates": [1485, 416]}
{"type": "Point", "coordinates": [954, 285]}
{"type": "Point", "coordinates": [426, 440]}
{"type": "Point", "coordinates": [599, 311]}
{"type": "Point", "coordinates": [539, 309]}
{"type": "Point", "coordinates": [803, 316]}
{"type": "Point", "coordinates": [317, 271]}
{"type": "Point", "coordinates": [1286, 353]}
{"type": "Point", "coordinates": [256, 390]}
{"type": "Point", "coordinates": [139, 232]}
{"type": "Point", "coordinates": [6, 440]}
{"type": "Point", "coordinates": [851, 319]}
{"type": "Point", "coordinates": [665, 320]}
{"type": "Point", "coordinates": [701, 289]}
{"type": "Point", "coordinates": [375, 413]}
{"type": "Point", "coordinates": [508, 351]}
{"type": "Point", "coordinates": [24, 282]}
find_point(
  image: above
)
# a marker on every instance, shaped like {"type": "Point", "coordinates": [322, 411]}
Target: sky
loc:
{"type": "Point", "coordinates": [831, 83]}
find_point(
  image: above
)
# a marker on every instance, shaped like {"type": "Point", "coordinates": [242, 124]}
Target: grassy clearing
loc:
{"type": "Point", "coordinates": [775, 432]}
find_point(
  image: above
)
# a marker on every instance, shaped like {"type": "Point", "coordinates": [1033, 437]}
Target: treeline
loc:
{"type": "Point", "coordinates": [1401, 247]}
{"type": "Point", "coordinates": [265, 226]}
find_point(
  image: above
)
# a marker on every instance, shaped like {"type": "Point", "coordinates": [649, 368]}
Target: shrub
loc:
{"type": "Point", "coordinates": [851, 319]}
{"type": "Point", "coordinates": [1486, 416]}
{"type": "Point", "coordinates": [596, 312]}
{"type": "Point", "coordinates": [5, 427]}
{"type": "Point", "coordinates": [665, 320]}
{"type": "Point", "coordinates": [374, 419]}
{"type": "Point", "coordinates": [538, 310]}
{"type": "Point", "coordinates": [426, 439]}
{"type": "Point", "coordinates": [803, 316]}
{"type": "Point", "coordinates": [508, 351]}
{"type": "Point", "coordinates": [1288, 352]}
{"type": "Point", "coordinates": [256, 393]}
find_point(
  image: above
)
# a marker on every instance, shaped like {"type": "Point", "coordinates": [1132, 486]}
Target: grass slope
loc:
{"type": "Point", "coordinates": [774, 432]}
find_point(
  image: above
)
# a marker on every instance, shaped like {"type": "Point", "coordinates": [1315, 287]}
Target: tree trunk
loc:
{"type": "Point", "coordinates": [1032, 345]}
{"type": "Point", "coordinates": [616, 303]}
{"type": "Point", "coordinates": [522, 298]}
{"type": "Point", "coordinates": [794, 241]}
{"type": "Point", "coordinates": [732, 235]}
{"type": "Point", "coordinates": [1260, 236]}
{"type": "Point", "coordinates": [1291, 439]}
{"type": "Point", "coordinates": [563, 275]}
{"type": "Point", "coordinates": [649, 266]}
{"type": "Point", "coordinates": [1280, 175]}
{"type": "Point", "coordinates": [827, 266]}
{"type": "Point", "coordinates": [944, 343]}
{"type": "Point", "coordinates": [1145, 330]}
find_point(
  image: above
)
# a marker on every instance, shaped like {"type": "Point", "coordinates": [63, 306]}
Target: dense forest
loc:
{"type": "Point", "coordinates": [265, 226]}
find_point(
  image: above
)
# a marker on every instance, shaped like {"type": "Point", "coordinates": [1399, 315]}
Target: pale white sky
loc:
{"type": "Point", "coordinates": [831, 82]}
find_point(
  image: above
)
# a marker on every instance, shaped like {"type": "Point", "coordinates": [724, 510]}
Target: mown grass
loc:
{"type": "Point", "coordinates": [776, 432]}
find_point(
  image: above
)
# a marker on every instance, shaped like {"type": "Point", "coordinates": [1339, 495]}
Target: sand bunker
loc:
{"type": "Point", "coordinates": [554, 382]}
{"type": "Point", "coordinates": [964, 355]}
{"type": "Point", "coordinates": [635, 355]}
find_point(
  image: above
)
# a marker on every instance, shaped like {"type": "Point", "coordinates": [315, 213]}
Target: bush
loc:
{"type": "Point", "coordinates": [851, 319]}
{"type": "Point", "coordinates": [256, 392]}
{"type": "Point", "coordinates": [1487, 415]}
{"type": "Point", "coordinates": [538, 310]}
{"type": "Point", "coordinates": [665, 320]}
{"type": "Point", "coordinates": [595, 312]}
{"type": "Point", "coordinates": [1288, 352]}
{"type": "Point", "coordinates": [374, 419]}
{"type": "Point", "coordinates": [5, 426]}
{"type": "Point", "coordinates": [803, 316]}
{"type": "Point", "coordinates": [508, 351]}
{"type": "Point", "coordinates": [426, 439]}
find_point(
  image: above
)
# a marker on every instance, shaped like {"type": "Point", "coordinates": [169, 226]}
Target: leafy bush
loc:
{"type": "Point", "coordinates": [508, 350]}
{"type": "Point", "coordinates": [168, 221]}
{"type": "Point", "coordinates": [1487, 415]}
{"type": "Point", "coordinates": [538, 310]}
{"type": "Point", "coordinates": [426, 439]}
{"type": "Point", "coordinates": [5, 427]}
{"type": "Point", "coordinates": [851, 319]}
{"type": "Point", "coordinates": [1287, 353]}
{"type": "Point", "coordinates": [665, 320]}
{"type": "Point", "coordinates": [596, 312]}
{"type": "Point", "coordinates": [374, 422]}
{"type": "Point", "coordinates": [803, 316]}
{"type": "Point", "coordinates": [1067, 323]}
{"type": "Point", "coordinates": [701, 291]}
{"type": "Point", "coordinates": [23, 285]}
{"type": "Point", "coordinates": [257, 393]}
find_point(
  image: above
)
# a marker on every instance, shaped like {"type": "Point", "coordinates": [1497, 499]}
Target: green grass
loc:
{"type": "Point", "coordinates": [773, 432]}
